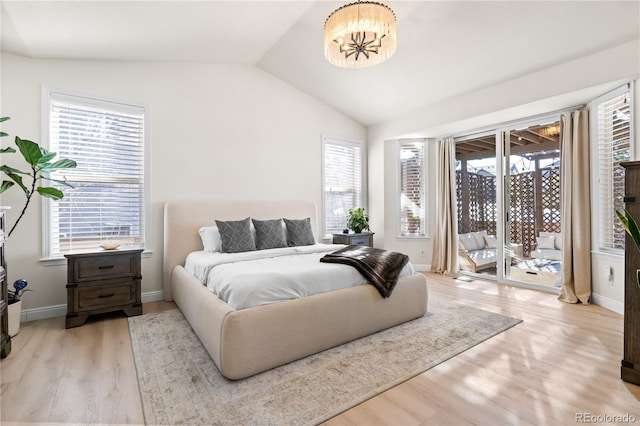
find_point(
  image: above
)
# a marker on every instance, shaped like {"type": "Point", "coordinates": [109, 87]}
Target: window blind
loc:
{"type": "Point", "coordinates": [614, 146]}
{"type": "Point", "coordinates": [343, 182]}
{"type": "Point", "coordinates": [106, 202]}
{"type": "Point", "coordinates": [412, 189]}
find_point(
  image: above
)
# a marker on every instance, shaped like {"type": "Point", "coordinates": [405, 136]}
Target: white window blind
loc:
{"type": "Point", "coordinates": [613, 124]}
{"type": "Point", "coordinates": [412, 189]}
{"type": "Point", "coordinates": [106, 203]}
{"type": "Point", "coordinates": [343, 182]}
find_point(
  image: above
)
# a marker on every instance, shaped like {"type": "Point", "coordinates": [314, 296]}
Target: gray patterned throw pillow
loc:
{"type": "Point", "coordinates": [299, 232]}
{"type": "Point", "coordinates": [236, 235]}
{"type": "Point", "coordinates": [269, 234]}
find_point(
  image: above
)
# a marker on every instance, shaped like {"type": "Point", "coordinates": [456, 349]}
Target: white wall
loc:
{"type": "Point", "coordinates": [216, 131]}
{"type": "Point", "coordinates": [565, 85]}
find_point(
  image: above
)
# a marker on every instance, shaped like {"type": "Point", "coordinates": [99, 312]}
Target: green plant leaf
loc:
{"type": "Point", "coordinates": [630, 225]}
{"type": "Point", "coordinates": [60, 164]}
{"type": "Point", "coordinates": [49, 192]}
{"type": "Point", "coordinates": [18, 179]}
{"type": "Point", "coordinates": [3, 134]}
{"type": "Point", "coordinates": [4, 119]}
{"type": "Point", "coordinates": [6, 169]}
{"type": "Point", "coordinates": [29, 150]}
{"type": "Point", "coordinates": [6, 150]}
{"type": "Point", "coordinates": [6, 184]}
{"type": "Point", "coordinates": [46, 156]}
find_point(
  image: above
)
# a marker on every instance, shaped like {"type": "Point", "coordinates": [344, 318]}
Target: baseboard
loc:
{"type": "Point", "coordinates": [610, 304]}
{"type": "Point", "coordinates": [152, 296]}
{"type": "Point", "coordinates": [61, 310]}
{"type": "Point", "coordinates": [42, 313]}
{"type": "Point", "coordinates": [421, 267]}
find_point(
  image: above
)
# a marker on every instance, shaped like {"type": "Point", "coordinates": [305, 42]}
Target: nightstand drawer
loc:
{"type": "Point", "coordinates": [103, 267]}
{"type": "Point", "coordinates": [360, 241]}
{"type": "Point", "coordinates": [98, 296]}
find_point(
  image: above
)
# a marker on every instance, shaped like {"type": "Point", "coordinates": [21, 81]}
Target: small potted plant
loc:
{"type": "Point", "coordinates": [358, 220]}
{"type": "Point", "coordinates": [631, 226]}
{"type": "Point", "coordinates": [15, 305]}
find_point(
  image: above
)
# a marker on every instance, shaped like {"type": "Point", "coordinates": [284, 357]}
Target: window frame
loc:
{"type": "Point", "coordinates": [48, 258]}
{"type": "Point", "coordinates": [352, 143]}
{"type": "Point", "coordinates": [597, 244]}
{"type": "Point", "coordinates": [423, 170]}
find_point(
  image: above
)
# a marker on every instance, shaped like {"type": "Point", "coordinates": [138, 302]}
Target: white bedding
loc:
{"type": "Point", "coordinates": [261, 277]}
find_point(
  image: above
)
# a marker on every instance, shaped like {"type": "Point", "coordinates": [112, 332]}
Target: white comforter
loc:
{"type": "Point", "coordinates": [248, 279]}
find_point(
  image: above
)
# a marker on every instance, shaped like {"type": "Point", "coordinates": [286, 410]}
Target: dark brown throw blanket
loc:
{"type": "Point", "coordinates": [380, 267]}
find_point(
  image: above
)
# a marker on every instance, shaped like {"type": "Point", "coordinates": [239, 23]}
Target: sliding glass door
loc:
{"type": "Point", "coordinates": [509, 196]}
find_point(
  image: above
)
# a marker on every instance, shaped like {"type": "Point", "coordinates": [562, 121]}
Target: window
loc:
{"type": "Point", "coordinates": [412, 189]}
{"type": "Point", "coordinates": [613, 136]}
{"type": "Point", "coordinates": [107, 201]}
{"type": "Point", "coordinates": [343, 176]}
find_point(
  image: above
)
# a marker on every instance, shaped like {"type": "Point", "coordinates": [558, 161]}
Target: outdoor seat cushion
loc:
{"type": "Point", "coordinates": [552, 254]}
{"type": "Point", "coordinates": [483, 257]}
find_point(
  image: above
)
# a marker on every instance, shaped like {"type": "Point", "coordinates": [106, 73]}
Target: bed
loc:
{"type": "Point", "coordinates": [249, 341]}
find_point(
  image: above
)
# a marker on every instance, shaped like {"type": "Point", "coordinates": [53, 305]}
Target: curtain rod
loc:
{"type": "Point", "coordinates": [520, 121]}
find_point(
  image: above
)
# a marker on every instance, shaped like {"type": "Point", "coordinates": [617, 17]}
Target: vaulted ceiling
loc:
{"type": "Point", "coordinates": [445, 49]}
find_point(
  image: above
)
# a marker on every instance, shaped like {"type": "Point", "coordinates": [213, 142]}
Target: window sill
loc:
{"type": "Point", "coordinates": [413, 237]}
{"type": "Point", "coordinates": [609, 254]}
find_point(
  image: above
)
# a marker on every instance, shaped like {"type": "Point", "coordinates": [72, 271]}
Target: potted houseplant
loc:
{"type": "Point", "coordinates": [631, 226]}
{"type": "Point", "coordinates": [39, 162]}
{"type": "Point", "coordinates": [358, 220]}
{"type": "Point", "coordinates": [15, 305]}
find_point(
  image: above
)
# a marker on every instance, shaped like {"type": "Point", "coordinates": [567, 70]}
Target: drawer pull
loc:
{"type": "Point", "coordinates": [106, 295]}
{"type": "Point", "coordinates": [105, 267]}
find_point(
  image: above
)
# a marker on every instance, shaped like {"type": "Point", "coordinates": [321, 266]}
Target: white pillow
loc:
{"type": "Point", "coordinates": [545, 242]}
{"type": "Point", "coordinates": [491, 241]}
{"type": "Point", "coordinates": [468, 241]}
{"type": "Point", "coordinates": [211, 240]}
{"type": "Point", "coordinates": [557, 242]}
{"type": "Point", "coordinates": [479, 237]}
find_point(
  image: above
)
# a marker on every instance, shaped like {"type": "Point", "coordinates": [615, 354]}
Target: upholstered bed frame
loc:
{"type": "Point", "coordinates": [249, 341]}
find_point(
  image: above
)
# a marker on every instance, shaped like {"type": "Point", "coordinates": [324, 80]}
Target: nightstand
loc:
{"type": "Point", "coordinates": [103, 281]}
{"type": "Point", "coordinates": [363, 239]}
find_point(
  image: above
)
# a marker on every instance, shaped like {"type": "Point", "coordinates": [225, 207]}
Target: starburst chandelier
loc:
{"type": "Point", "coordinates": [360, 35]}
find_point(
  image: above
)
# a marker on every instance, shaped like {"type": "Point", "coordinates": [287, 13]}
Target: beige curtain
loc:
{"type": "Point", "coordinates": [576, 207]}
{"type": "Point", "coordinates": [445, 236]}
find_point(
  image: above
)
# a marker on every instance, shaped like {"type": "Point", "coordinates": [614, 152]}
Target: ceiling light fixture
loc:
{"type": "Point", "coordinates": [551, 130]}
{"type": "Point", "coordinates": [360, 35]}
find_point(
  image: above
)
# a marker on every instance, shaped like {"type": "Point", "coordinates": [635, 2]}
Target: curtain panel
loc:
{"type": "Point", "coordinates": [445, 236]}
{"type": "Point", "coordinates": [576, 207]}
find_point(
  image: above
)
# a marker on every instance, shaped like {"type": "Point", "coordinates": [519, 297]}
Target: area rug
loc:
{"type": "Point", "coordinates": [180, 384]}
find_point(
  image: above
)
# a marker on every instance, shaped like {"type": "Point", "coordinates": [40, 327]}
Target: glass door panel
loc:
{"type": "Point", "coordinates": [532, 204]}
{"type": "Point", "coordinates": [476, 185]}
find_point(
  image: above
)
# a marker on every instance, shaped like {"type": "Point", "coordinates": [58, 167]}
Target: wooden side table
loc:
{"type": "Point", "coordinates": [103, 281]}
{"type": "Point", "coordinates": [362, 239]}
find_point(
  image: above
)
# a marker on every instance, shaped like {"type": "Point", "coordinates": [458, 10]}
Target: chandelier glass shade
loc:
{"type": "Point", "coordinates": [360, 35]}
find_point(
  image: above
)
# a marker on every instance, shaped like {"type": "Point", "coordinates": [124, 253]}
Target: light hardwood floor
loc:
{"type": "Point", "coordinates": [563, 361]}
